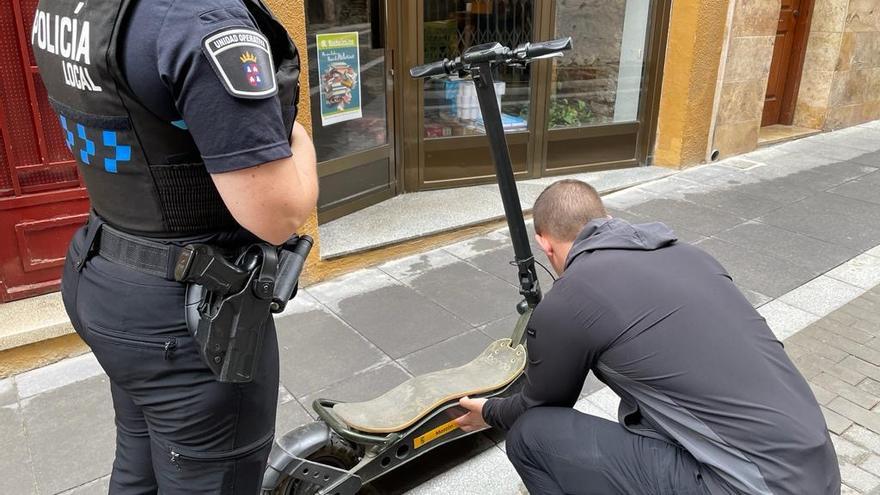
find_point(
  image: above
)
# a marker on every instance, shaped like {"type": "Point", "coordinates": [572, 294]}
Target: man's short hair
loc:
{"type": "Point", "coordinates": [565, 207]}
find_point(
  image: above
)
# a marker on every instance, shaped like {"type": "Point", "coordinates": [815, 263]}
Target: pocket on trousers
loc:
{"type": "Point", "coordinates": [177, 453]}
{"type": "Point", "coordinates": [160, 345]}
{"type": "Point", "coordinates": [233, 472]}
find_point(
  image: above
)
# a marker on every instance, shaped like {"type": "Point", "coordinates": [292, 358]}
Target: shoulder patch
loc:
{"type": "Point", "coordinates": [242, 59]}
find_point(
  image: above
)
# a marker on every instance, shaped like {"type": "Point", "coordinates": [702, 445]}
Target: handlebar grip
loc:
{"type": "Point", "coordinates": [290, 266]}
{"type": "Point", "coordinates": [439, 68]}
{"type": "Point", "coordinates": [545, 48]}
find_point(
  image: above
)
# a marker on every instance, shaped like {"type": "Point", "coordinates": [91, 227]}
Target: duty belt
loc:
{"type": "Point", "coordinates": [143, 255]}
{"type": "Point", "coordinates": [228, 298]}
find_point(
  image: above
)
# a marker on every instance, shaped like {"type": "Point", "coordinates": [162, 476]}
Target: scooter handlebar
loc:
{"type": "Point", "coordinates": [547, 48]}
{"type": "Point", "coordinates": [439, 68]}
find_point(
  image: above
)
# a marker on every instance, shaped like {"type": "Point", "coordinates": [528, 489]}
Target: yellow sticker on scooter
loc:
{"type": "Point", "coordinates": [434, 434]}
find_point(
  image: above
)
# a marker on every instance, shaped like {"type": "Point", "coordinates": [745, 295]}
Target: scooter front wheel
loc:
{"type": "Point", "coordinates": [339, 454]}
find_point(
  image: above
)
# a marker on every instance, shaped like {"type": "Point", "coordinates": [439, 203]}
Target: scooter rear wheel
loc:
{"type": "Point", "coordinates": [339, 454]}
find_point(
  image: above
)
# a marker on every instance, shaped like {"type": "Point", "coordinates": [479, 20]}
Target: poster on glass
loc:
{"type": "Point", "coordinates": [339, 72]}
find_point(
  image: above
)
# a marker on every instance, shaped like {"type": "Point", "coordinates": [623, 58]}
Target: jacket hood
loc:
{"type": "Point", "coordinates": [614, 233]}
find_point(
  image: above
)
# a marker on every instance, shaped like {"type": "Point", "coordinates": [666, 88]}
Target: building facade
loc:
{"type": "Point", "coordinates": [743, 73]}
{"type": "Point", "coordinates": [591, 109]}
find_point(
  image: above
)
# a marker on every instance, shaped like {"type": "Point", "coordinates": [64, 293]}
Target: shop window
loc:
{"type": "Point", "coordinates": [600, 80]}
{"type": "Point", "coordinates": [452, 26]}
{"type": "Point", "coordinates": [357, 83]}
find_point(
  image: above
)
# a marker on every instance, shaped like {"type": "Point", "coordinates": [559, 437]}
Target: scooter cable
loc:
{"type": "Point", "coordinates": [552, 277]}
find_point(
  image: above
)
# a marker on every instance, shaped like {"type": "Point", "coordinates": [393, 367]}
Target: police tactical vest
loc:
{"type": "Point", "coordinates": [144, 175]}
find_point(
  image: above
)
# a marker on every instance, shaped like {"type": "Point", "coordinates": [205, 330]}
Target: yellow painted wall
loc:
{"type": "Point", "coordinates": [693, 53]}
{"type": "Point", "coordinates": [292, 14]}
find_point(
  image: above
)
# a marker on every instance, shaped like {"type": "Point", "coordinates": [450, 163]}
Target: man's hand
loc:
{"type": "Point", "coordinates": [473, 420]}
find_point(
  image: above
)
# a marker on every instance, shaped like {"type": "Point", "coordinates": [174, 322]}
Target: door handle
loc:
{"type": "Point", "coordinates": [796, 13]}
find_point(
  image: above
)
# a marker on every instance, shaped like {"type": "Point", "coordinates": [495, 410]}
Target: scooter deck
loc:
{"type": "Point", "coordinates": [402, 406]}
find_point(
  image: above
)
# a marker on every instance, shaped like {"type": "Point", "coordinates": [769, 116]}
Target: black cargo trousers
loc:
{"type": "Point", "coordinates": [178, 430]}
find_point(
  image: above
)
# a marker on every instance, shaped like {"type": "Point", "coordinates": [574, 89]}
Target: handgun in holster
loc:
{"type": "Point", "coordinates": [227, 303]}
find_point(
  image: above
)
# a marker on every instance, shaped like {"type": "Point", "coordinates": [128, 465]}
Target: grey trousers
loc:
{"type": "Point", "coordinates": [562, 451]}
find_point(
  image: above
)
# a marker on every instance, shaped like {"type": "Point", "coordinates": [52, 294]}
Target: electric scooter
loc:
{"type": "Point", "coordinates": [354, 443]}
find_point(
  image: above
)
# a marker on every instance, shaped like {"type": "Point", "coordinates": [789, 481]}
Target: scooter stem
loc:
{"type": "Point", "coordinates": [525, 260]}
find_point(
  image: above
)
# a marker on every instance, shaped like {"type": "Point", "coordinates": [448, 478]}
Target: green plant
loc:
{"type": "Point", "coordinates": [569, 113]}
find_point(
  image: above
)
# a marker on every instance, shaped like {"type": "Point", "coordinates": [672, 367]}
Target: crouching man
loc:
{"type": "Point", "coordinates": [710, 402]}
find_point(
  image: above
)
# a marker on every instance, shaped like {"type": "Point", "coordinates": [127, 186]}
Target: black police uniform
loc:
{"type": "Point", "coordinates": [153, 96]}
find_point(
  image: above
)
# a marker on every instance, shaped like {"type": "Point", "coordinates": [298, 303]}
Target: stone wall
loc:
{"type": "Point", "coordinates": [840, 82]}
{"type": "Point", "coordinates": [840, 85]}
{"type": "Point", "coordinates": [747, 67]}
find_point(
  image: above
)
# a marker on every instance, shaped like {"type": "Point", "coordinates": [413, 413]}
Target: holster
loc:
{"type": "Point", "coordinates": [227, 303]}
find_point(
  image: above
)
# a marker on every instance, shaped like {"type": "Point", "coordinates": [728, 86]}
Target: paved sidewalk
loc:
{"type": "Point", "coordinates": [797, 225]}
{"type": "Point", "coordinates": [840, 357]}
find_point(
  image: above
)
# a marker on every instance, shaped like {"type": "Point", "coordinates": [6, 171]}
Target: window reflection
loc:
{"type": "Point", "coordinates": [600, 80]}
{"type": "Point", "coordinates": [452, 26]}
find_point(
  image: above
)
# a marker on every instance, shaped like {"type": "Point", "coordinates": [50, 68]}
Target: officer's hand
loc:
{"type": "Point", "coordinates": [473, 420]}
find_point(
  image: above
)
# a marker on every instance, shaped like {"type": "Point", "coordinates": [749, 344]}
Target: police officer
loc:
{"type": "Point", "coordinates": [180, 115]}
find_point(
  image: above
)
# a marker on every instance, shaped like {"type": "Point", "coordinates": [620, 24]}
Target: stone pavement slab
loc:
{"type": "Point", "coordinates": [851, 404]}
{"type": "Point", "coordinates": [8, 392]}
{"type": "Point", "coordinates": [821, 295]}
{"type": "Point", "coordinates": [365, 385]}
{"type": "Point", "coordinates": [502, 328]}
{"type": "Point", "coordinates": [785, 190]}
{"type": "Point", "coordinates": [344, 351]}
{"type": "Point", "coordinates": [417, 321]}
{"type": "Point", "coordinates": [735, 202]}
{"type": "Point", "coordinates": [50, 377]}
{"type": "Point", "coordinates": [862, 271]}
{"type": "Point", "coordinates": [457, 351]}
{"type": "Point", "coordinates": [70, 434]}
{"type": "Point", "coordinates": [469, 293]}
{"type": "Point", "coordinates": [489, 472]}
{"type": "Point", "coordinates": [100, 486]}
{"type": "Point", "coordinates": [757, 270]}
{"type": "Point", "coordinates": [815, 255]}
{"type": "Point", "coordinates": [756, 299]}
{"type": "Point", "coordinates": [863, 188]}
{"type": "Point", "coordinates": [290, 415]}
{"type": "Point", "coordinates": [16, 467]}
{"type": "Point", "coordinates": [831, 217]}
{"type": "Point", "coordinates": [701, 219]}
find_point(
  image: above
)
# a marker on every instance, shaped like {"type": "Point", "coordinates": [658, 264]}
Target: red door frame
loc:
{"type": "Point", "coordinates": [44, 200]}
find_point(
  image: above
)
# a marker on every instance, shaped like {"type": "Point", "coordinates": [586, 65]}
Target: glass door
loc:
{"type": "Point", "coordinates": [455, 149]}
{"type": "Point", "coordinates": [597, 90]}
{"type": "Point", "coordinates": [592, 109]}
{"type": "Point", "coordinates": [350, 78]}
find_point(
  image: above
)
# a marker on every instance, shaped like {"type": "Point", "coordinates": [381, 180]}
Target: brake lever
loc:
{"type": "Point", "coordinates": [549, 55]}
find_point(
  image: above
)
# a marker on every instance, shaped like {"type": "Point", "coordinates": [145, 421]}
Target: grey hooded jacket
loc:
{"type": "Point", "coordinates": [663, 325]}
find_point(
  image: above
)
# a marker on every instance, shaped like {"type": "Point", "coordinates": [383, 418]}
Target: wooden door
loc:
{"type": "Point", "coordinates": [788, 57]}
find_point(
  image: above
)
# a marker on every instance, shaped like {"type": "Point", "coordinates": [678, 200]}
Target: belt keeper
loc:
{"type": "Point", "coordinates": [92, 232]}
